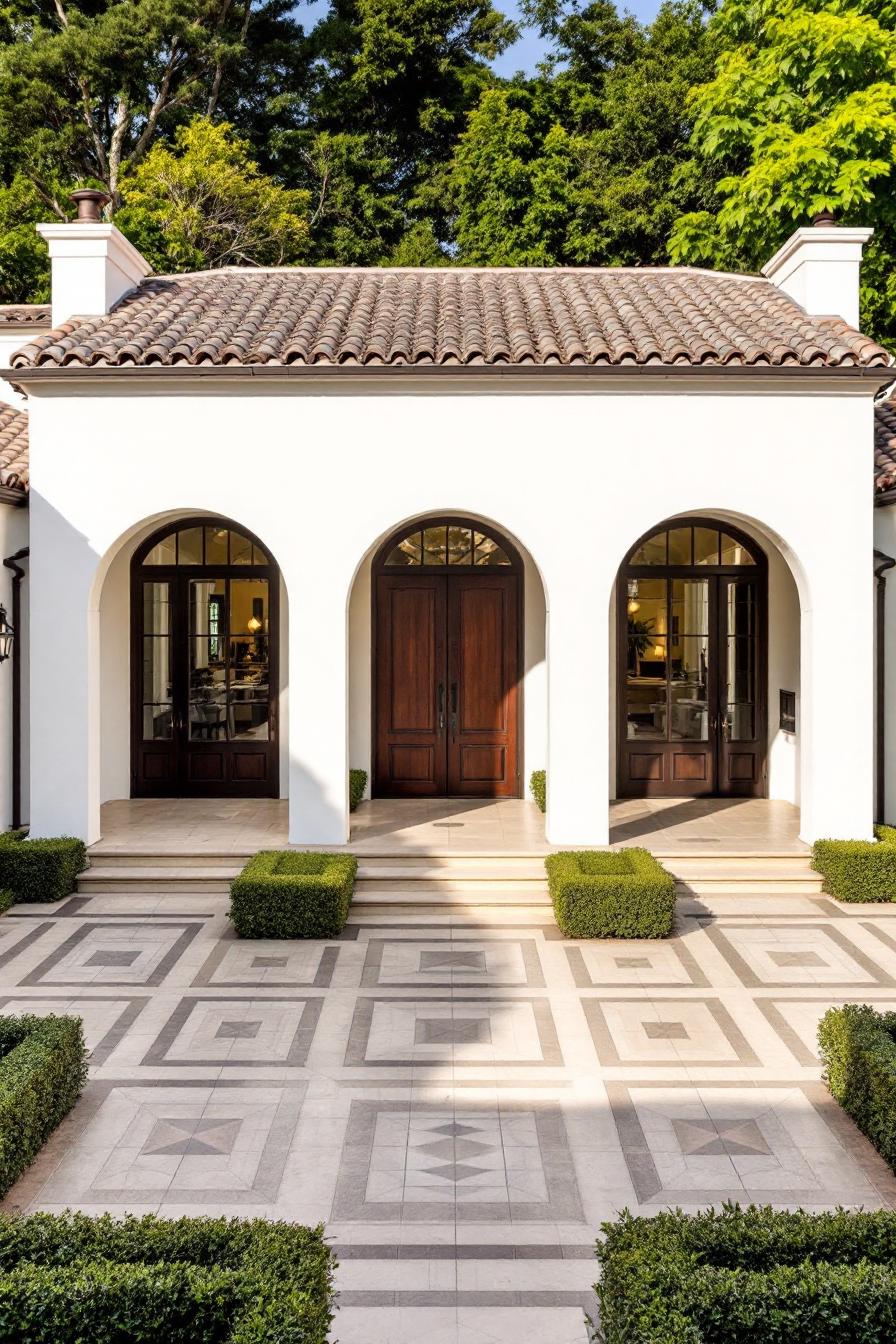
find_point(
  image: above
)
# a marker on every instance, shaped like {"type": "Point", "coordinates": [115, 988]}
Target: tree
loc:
{"type": "Point", "coordinates": [204, 203]}
{"type": "Point", "coordinates": [588, 163]}
{"type": "Point", "coordinates": [800, 117]}
{"type": "Point", "coordinates": [87, 86]}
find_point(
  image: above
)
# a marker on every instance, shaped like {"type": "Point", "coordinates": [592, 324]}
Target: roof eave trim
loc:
{"type": "Point", "coordinates": [16, 497]}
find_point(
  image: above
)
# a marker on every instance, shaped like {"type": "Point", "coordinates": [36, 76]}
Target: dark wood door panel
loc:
{"type": "Point", "coordinates": [483, 674]}
{"type": "Point", "coordinates": [410, 670]}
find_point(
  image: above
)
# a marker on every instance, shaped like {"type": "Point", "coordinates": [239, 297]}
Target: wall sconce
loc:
{"type": "Point", "coordinates": [7, 635]}
{"type": "Point", "coordinates": [659, 651]}
{"type": "Point", "coordinates": [254, 624]}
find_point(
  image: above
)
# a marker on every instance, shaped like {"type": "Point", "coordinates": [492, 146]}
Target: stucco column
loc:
{"type": "Point", "coordinates": [64, 679]}
{"type": "Point", "coordinates": [837, 698]}
{"type": "Point", "coordinates": [318, 705]}
{"type": "Point", "coordinates": [578, 710]}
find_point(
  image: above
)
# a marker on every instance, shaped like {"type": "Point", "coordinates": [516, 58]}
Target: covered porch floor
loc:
{"type": "Point", "coordinates": [712, 826]}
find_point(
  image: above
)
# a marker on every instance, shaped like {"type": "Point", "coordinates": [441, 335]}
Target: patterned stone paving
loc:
{"type": "Point", "coordinates": [461, 1099]}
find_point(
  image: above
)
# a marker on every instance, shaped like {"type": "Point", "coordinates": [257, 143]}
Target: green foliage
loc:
{"type": "Point", "coordinates": [357, 783]}
{"type": "Point", "coordinates": [24, 260]}
{"type": "Point", "coordinates": [289, 893]}
{"type": "Point", "coordinates": [858, 870]}
{"type": "Point", "coordinates": [748, 1276]}
{"type": "Point", "coordinates": [6, 899]}
{"type": "Point", "coordinates": [858, 1050]}
{"type": "Point", "coordinates": [538, 783]}
{"type": "Point", "coordinates": [43, 1067]}
{"type": "Point", "coordinates": [799, 117]}
{"type": "Point", "coordinates": [623, 894]}
{"type": "Point", "coordinates": [40, 870]}
{"type": "Point", "coordinates": [68, 1278]}
{"type": "Point", "coordinates": [203, 203]}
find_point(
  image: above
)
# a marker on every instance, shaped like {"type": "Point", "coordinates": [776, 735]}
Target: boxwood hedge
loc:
{"type": "Point", "coordinates": [538, 783]}
{"type": "Point", "coordinates": [623, 894]}
{"type": "Point", "coordinates": [68, 1278]}
{"type": "Point", "coordinates": [285, 893]}
{"type": "Point", "coordinates": [42, 1071]}
{"type": "Point", "coordinates": [40, 870]}
{"type": "Point", "coordinates": [748, 1276]}
{"type": "Point", "coordinates": [357, 783]}
{"type": "Point", "coordinates": [858, 1049]}
{"type": "Point", "coordinates": [858, 870]}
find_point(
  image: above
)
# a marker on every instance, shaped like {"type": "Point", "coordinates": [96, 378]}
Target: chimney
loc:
{"type": "Point", "coordinates": [92, 263]}
{"type": "Point", "coordinates": [819, 268]}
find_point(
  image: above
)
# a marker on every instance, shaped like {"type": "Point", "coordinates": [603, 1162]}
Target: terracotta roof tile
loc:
{"type": "Point", "coordinates": [463, 317]}
{"type": "Point", "coordinates": [37, 314]}
{"type": "Point", "coordinates": [885, 445]}
{"type": "Point", "coordinates": [13, 448]}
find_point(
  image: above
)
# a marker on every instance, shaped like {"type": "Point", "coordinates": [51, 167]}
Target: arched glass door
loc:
{"type": "Point", "coordinates": [204, 615]}
{"type": "Point", "coordinates": [692, 663]}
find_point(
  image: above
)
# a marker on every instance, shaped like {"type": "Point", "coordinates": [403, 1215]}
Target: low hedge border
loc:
{"type": "Point", "coordinates": [6, 899]}
{"type": "Point", "coordinates": [69, 1277]}
{"type": "Point", "coordinates": [40, 870]}
{"type": "Point", "coordinates": [748, 1276]}
{"type": "Point", "coordinates": [43, 1067]}
{"type": "Point", "coordinates": [357, 783]}
{"type": "Point", "coordinates": [858, 870]}
{"type": "Point", "coordinates": [620, 894]}
{"type": "Point", "coordinates": [858, 1049]}
{"type": "Point", "coordinates": [538, 783]}
{"type": "Point", "coordinates": [287, 893]}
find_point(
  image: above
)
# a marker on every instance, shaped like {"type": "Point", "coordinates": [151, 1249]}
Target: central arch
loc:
{"type": "Point", "coordinates": [447, 624]}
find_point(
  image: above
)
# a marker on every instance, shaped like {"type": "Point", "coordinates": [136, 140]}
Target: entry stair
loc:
{"type": "Point", "coordinates": [399, 882]}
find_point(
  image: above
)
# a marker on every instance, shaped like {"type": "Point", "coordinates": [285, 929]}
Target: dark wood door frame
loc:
{"type": "Point", "coordinates": [720, 748]}
{"type": "Point", "coordinates": [178, 578]}
{"type": "Point", "coordinates": [473, 573]}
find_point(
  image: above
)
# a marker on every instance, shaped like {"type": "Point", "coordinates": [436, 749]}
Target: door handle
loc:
{"type": "Point", "coordinates": [440, 705]}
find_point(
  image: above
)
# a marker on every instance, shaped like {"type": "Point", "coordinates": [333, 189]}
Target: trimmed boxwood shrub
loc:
{"type": "Point", "coordinates": [858, 1049]}
{"type": "Point", "coordinates": [620, 894]}
{"type": "Point", "coordinates": [538, 783]}
{"type": "Point", "coordinates": [287, 893]}
{"type": "Point", "coordinates": [40, 870]}
{"type": "Point", "coordinates": [858, 870]}
{"type": "Point", "coordinates": [69, 1278]}
{"type": "Point", "coordinates": [42, 1071]}
{"type": "Point", "coordinates": [357, 783]}
{"type": "Point", "coordinates": [748, 1276]}
{"type": "Point", "coordinates": [6, 899]}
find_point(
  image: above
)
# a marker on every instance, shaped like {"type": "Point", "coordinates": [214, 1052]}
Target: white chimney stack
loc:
{"type": "Point", "coordinates": [819, 268]}
{"type": "Point", "coordinates": [92, 263]}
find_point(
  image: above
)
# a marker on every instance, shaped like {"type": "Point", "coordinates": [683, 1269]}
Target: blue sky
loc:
{"type": "Point", "coordinates": [527, 52]}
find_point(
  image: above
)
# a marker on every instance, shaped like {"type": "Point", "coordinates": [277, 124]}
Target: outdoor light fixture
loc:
{"type": "Point", "coordinates": [7, 635]}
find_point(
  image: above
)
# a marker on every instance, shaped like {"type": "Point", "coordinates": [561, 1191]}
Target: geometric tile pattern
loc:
{"type": "Point", "coordinates": [262, 963]}
{"type": "Point", "coordinates": [115, 954]}
{"type": "Point", "coordinates": [796, 954]}
{"type": "Point", "coordinates": [254, 1033]}
{"type": "Point", "coordinates": [458, 963]}
{"type": "Point", "coordinates": [669, 964]}
{"type": "Point", "coordinates": [462, 1031]}
{"type": "Point", "coordinates": [654, 1033]}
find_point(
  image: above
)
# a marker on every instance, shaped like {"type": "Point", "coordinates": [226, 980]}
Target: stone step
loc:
{"type": "Point", "coordinates": [160, 880]}
{"type": "Point", "coordinates": [111, 859]}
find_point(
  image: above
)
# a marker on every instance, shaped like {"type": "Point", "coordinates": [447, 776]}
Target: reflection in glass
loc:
{"type": "Point", "coordinates": [157, 723]}
{"type": "Point", "coordinates": [155, 609]}
{"type": "Point", "coordinates": [734, 553]}
{"type": "Point", "coordinates": [240, 549]}
{"type": "Point", "coordinates": [706, 546]}
{"type": "Point", "coordinates": [248, 717]}
{"type": "Point", "coordinates": [460, 546]}
{"type": "Point", "coordinates": [207, 606]}
{"type": "Point", "coordinates": [488, 552]}
{"type": "Point", "coordinates": [156, 686]}
{"type": "Point", "coordinates": [690, 607]}
{"type": "Point", "coordinates": [407, 552]}
{"type": "Point", "coordinates": [249, 607]}
{"type": "Point", "coordinates": [216, 545]}
{"type": "Point", "coordinates": [646, 688]}
{"type": "Point", "coordinates": [689, 714]}
{"type": "Point", "coordinates": [435, 550]}
{"type": "Point", "coordinates": [164, 552]}
{"type": "Point", "coordinates": [680, 546]}
{"type": "Point", "coordinates": [189, 546]}
{"type": "Point", "coordinates": [652, 551]}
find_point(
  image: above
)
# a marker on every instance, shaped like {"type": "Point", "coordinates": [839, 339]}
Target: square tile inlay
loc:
{"type": "Point", "coordinates": [452, 963]}
{"type": "Point", "coordinates": [267, 963]}
{"type": "Point", "coordinates": [459, 1031]}
{"type": "Point", "coordinates": [795, 955]}
{"type": "Point", "coordinates": [115, 954]}
{"type": "Point", "coordinates": [643, 965]}
{"type": "Point", "coordinates": [654, 1032]}
{"type": "Point", "coordinates": [463, 1032]}
{"type": "Point", "coordinates": [666, 1031]}
{"type": "Point", "coordinates": [250, 1033]}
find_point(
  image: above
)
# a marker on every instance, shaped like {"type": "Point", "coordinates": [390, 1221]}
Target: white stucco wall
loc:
{"type": "Point", "coordinates": [573, 474]}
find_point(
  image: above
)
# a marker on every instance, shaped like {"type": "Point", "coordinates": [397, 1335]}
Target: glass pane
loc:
{"type": "Point", "coordinates": [164, 552]}
{"type": "Point", "coordinates": [216, 545]}
{"type": "Point", "coordinates": [208, 688]}
{"type": "Point", "coordinates": [646, 611]}
{"type": "Point", "coordinates": [690, 607]}
{"type": "Point", "coordinates": [208, 717]}
{"type": "Point", "coordinates": [680, 546]}
{"type": "Point", "coordinates": [740, 607]}
{"type": "Point", "coordinates": [156, 670]}
{"type": "Point", "coordinates": [706, 546]}
{"type": "Point", "coordinates": [733, 553]}
{"type": "Point", "coordinates": [208, 614]}
{"type": "Point", "coordinates": [646, 689]}
{"type": "Point", "coordinates": [156, 612]}
{"type": "Point", "coordinates": [157, 722]}
{"type": "Point", "coordinates": [240, 549]}
{"type": "Point", "coordinates": [407, 552]}
{"type": "Point", "coordinates": [249, 717]}
{"type": "Point", "coordinates": [460, 546]}
{"type": "Point", "coordinates": [740, 692]}
{"type": "Point", "coordinates": [248, 702]}
{"type": "Point", "coordinates": [689, 708]}
{"type": "Point", "coordinates": [258, 556]}
{"type": "Point", "coordinates": [249, 609]}
{"type": "Point", "coordinates": [651, 552]}
{"type": "Point", "coordinates": [435, 550]}
{"type": "Point", "coordinates": [189, 546]}
{"type": "Point", "coordinates": [488, 552]}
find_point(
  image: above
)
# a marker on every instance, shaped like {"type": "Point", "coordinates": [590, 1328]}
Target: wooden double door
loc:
{"type": "Point", "coordinates": [447, 668]}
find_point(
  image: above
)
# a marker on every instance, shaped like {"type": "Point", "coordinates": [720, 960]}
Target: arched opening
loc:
{"type": "Point", "coordinates": [447, 660]}
{"type": "Point", "coordinates": [692, 663]}
{"type": "Point", "coordinates": [204, 663]}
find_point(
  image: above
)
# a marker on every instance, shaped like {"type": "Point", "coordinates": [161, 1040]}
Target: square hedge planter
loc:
{"type": "Point", "coordinates": [40, 870]}
{"type": "Point", "coordinates": [43, 1067]}
{"type": "Point", "coordinates": [620, 894]}
{"type": "Point", "coordinates": [285, 893]}
{"type": "Point", "coordinates": [858, 870]}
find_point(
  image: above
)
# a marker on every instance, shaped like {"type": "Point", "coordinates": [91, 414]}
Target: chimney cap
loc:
{"type": "Point", "coordinates": [90, 203]}
{"type": "Point", "coordinates": [824, 219]}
